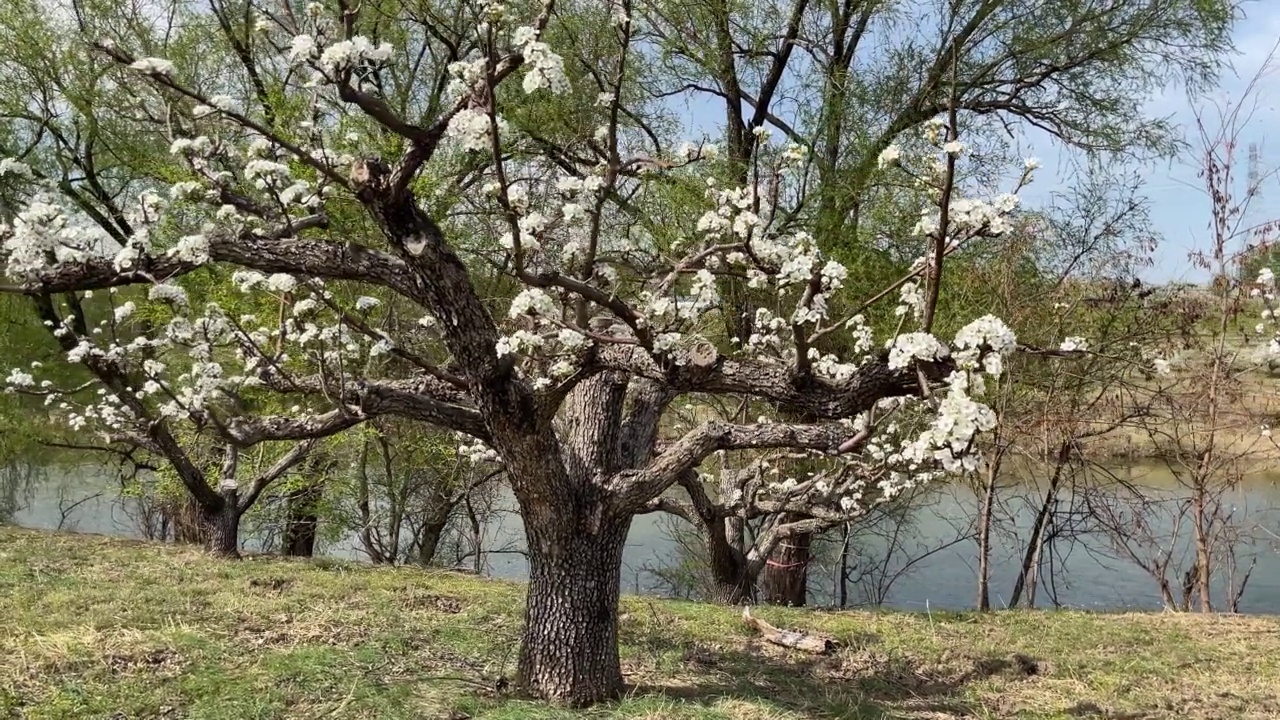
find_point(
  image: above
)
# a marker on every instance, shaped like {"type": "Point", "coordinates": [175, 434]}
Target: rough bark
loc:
{"type": "Point", "coordinates": [222, 526]}
{"type": "Point", "coordinates": [569, 652]}
{"type": "Point", "coordinates": [732, 584]}
{"type": "Point", "coordinates": [785, 579]}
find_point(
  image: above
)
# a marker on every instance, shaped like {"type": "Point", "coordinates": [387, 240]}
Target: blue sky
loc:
{"type": "Point", "coordinates": [1179, 207]}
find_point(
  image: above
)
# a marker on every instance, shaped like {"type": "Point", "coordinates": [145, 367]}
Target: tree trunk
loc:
{"type": "Point", "coordinates": [1166, 592]}
{"type": "Point", "coordinates": [429, 538]}
{"type": "Point", "coordinates": [477, 536]}
{"type": "Point", "coordinates": [785, 579]}
{"type": "Point", "coordinates": [984, 538]}
{"type": "Point", "coordinates": [1202, 564]}
{"type": "Point", "coordinates": [222, 527]}
{"type": "Point", "coordinates": [569, 651]}
{"type": "Point", "coordinates": [1032, 554]}
{"type": "Point", "coordinates": [300, 526]}
{"type": "Point", "coordinates": [370, 542]}
{"type": "Point", "coordinates": [731, 585]}
{"type": "Point", "coordinates": [842, 582]}
{"type": "Point", "coordinates": [1033, 575]}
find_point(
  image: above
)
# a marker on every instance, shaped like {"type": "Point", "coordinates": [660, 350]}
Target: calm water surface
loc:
{"type": "Point", "coordinates": [1088, 572]}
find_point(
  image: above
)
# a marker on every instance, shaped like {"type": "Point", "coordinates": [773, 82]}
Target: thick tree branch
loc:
{"type": "Point", "coordinates": [761, 378]}
{"type": "Point", "coordinates": [245, 431]}
{"type": "Point", "coordinates": [426, 399]}
{"type": "Point", "coordinates": [671, 506]}
{"type": "Point", "coordinates": [276, 253]}
{"type": "Point", "coordinates": [633, 488]}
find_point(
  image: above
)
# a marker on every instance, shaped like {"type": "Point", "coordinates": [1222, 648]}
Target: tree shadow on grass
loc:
{"type": "Point", "coordinates": [855, 682]}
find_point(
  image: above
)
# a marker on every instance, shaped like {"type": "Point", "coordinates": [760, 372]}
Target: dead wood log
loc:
{"type": "Point", "coordinates": [808, 642]}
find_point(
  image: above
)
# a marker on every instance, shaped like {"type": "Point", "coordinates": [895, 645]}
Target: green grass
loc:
{"type": "Point", "coordinates": [92, 627]}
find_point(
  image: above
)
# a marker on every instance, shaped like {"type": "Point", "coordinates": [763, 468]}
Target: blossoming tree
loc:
{"type": "Point", "coordinates": [178, 381]}
{"type": "Point", "coordinates": [422, 180]}
{"type": "Point", "coordinates": [850, 80]}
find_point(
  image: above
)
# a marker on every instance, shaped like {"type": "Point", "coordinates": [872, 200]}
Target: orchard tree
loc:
{"type": "Point", "coordinates": [750, 506]}
{"type": "Point", "coordinates": [178, 384]}
{"type": "Point", "coordinates": [493, 169]}
{"type": "Point", "coordinates": [849, 79]}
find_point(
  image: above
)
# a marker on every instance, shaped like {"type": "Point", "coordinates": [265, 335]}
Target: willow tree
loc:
{"type": "Point", "coordinates": [562, 254]}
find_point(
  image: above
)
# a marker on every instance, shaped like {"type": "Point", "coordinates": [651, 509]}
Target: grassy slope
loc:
{"type": "Point", "coordinates": [96, 628]}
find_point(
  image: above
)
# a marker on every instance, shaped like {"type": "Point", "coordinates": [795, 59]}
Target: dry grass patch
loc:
{"type": "Point", "coordinates": [97, 628]}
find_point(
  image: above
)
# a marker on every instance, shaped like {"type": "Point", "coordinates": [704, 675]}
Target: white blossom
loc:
{"type": "Point", "coordinates": [889, 156]}
{"type": "Point", "coordinates": [153, 66]}
{"type": "Point", "coordinates": [544, 68]}
{"type": "Point", "coordinates": [1073, 344]}
{"type": "Point", "coordinates": [532, 301]}
{"type": "Point", "coordinates": [470, 128]}
{"type": "Point", "coordinates": [19, 378]}
{"type": "Point", "coordinates": [192, 248]}
{"type": "Point", "coordinates": [281, 282]}
{"type": "Point", "coordinates": [914, 346]}
{"type": "Point", "coordinates": [358, 50]}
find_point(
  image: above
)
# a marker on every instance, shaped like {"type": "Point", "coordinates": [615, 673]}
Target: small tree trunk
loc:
{"type": "Point", "coordinates": [984, 538]}
{"type": "Point", "coordinates": [429, 538]}
{"type": "Point", "coordinates": [477, 535]}
{"type": "Point", "coordinates": [1203, 562]}
{"type": "Point", "coordinates": [785, 579]}
{"type": "Point", "coordinates": [369, 539]}
{"type": "Point", "coordinates": [1032, 554]}
{"type": "Point", "coordinates": [1189, 586]}
{"type": "Point", "coordinates": [569, 651]}
{"type": "Point", "coordinates": [1166, 593]}
{"type": "Point", "coordinates": [842, 581]}
{"type": "Point", "coordinates": [303, 518]}
{"type": "Point", "coordinates": [1033, 575]}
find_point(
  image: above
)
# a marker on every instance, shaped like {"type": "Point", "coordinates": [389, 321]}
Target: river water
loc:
{"type": "Point", "coordinates": [934, 566]}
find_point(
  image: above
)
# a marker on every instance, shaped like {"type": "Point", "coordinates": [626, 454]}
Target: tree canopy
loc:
{"type": "Point", "coordinates": [489, 218]}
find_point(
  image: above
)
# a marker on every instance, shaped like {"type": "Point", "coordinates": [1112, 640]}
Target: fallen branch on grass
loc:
{"type": "Point", "coordinates": [794, 639]}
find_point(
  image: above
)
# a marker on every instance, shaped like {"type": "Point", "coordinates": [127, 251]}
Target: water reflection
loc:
{"type": "Point", "coordinates": [17, 487]}
{"type": "Point", "coordinates": [935, 567]}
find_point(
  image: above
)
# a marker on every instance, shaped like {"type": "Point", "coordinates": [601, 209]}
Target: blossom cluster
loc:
{"type": "Point", "coordinates": [912, 439]}
{"type": "Point", "coordinates": [1265, 289]}
{"type": "Point", "coordinates": [172, 358]}
{"type": "Point", "coordinates": [542, 220]}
